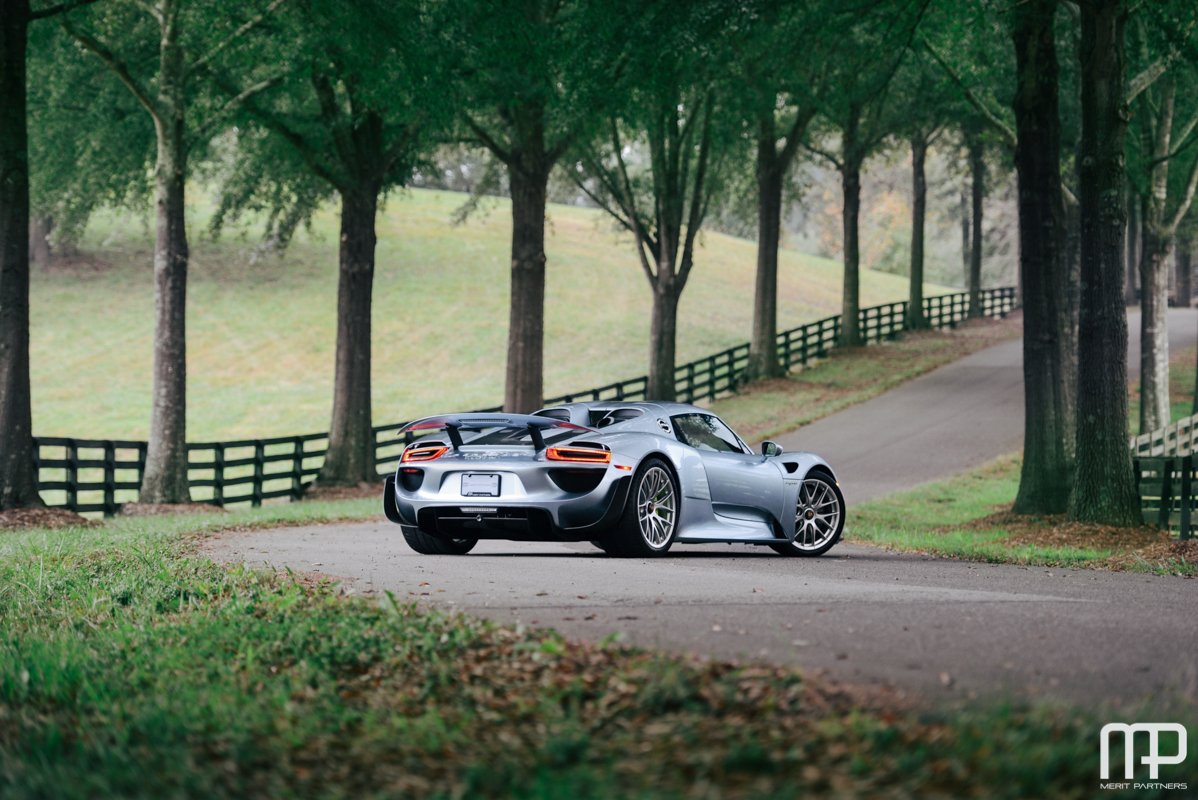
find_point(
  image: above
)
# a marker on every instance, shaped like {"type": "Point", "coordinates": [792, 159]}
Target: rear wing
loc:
{"type": "Point", "coordinates": [454, 424]}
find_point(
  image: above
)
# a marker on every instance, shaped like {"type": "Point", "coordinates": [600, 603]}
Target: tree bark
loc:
{"type": "Point", "coordinates": [966, 238]}
{"type": "Point", "coordinates": [350, 457]}
{"type": "Point", "coordinates": [526, 326]}
{"type": "Point", "coordinates": [165, 478]}
{"type": "Point", "coordinates": [662, 338]}
{"type": "Point", "coordinates": [763, 349]}
{"type": "Point", "coordinates": [977, 172]}
{"type": "Point", "coordinates": [919, 206]}
{"type": "Point", "coordinates": [850, 177]}
{"type": "Point", "coordinates": [1184, 296]}
{"type": "Point", "coordinates": [18, 478]}
{"type": "Point", "coordinates": [1157, 238]}
{"type": "Point", "coordinates": [1105, 488]}
{"type": "Point", "coordinates": [40, 227]}
{"type": "Point", "coordinates": [1154, 333]}
{"type": "Point", "coordinates": [1046, 471]}
{"type": "Point", "coordinates": [1132, 263]}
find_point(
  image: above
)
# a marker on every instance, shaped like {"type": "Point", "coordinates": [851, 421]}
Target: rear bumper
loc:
{"type": "Point", "coordinates": [560, 518]}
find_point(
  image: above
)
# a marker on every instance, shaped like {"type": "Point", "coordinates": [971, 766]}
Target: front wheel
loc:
{"type": "Point", "coordinates": [819, 517]}
{"type": "Point", "coordinates": [428, 545]}
{"type": "Point", "coordinates": [650, 520]}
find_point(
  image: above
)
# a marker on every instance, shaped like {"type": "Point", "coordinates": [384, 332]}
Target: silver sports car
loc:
{"type": "Point", "coordinates": [632, 478]}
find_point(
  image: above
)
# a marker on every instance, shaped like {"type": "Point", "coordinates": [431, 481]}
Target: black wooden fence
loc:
{"type": "Point", "coordinates": [1167, 487]}
{"type": "Point", "coordinates": [86, 475]}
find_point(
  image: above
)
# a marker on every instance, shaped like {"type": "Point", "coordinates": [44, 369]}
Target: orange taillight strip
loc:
{"type": "Point", "coordinates": [580, 455]}
{"type": "Point", "coordinates": [424, 453]}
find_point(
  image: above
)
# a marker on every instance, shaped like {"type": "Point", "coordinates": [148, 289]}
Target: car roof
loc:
{"type": "Point", "coordinates": [669, 409]}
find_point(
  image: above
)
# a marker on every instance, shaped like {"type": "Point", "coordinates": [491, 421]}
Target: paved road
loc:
{"type": "Point", "coordinates": [948, 421]}
{"type": "Point", "coordinates": [946, 630]}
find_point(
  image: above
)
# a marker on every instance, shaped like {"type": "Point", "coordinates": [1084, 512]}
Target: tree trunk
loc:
{"type": "Point", "coordinates": [850, 175]}
{"type": "Point", "coordinates": [662, 337]}
{"type": "Point", "coordinates": [18, 478]}
{"type": "Point", "coordinates": [165, 477]}
{"type": "Point", "coordinates": [1185, 278]}
{"type": "Point", "coordinates": [763, 349]}
{"type": "Point", "coordinates": [40, 227]}
{"type": "Point", "coordinates": [977, 171]}
{"type": "Point", "coordinates": [966, 250]}
{"type": "Point", "coordinates": [1132, 263]}
{"type": "Point", "coordinates": [1045, 479]}
{"type": "Point", "coordinates": [350, 457]}
{"type": "Point", "coordinates": [1157, 242]}
{"type": "Point", "coordinates": [919, 206]}
{"type": "Point", "coordinates": [524, 388]}
{"type": "Point", "coordinates": [1105, 487]}
{"type": "Point", "coordinates": [1154, 333]}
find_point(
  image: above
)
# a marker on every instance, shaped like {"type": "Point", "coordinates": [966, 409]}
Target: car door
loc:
{"type": "Point", "coordinates": [743, 485]}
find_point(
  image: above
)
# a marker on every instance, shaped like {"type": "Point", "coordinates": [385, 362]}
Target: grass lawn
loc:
{"type": "Point", "coordinates": [130, 667]}
{"type": "Point", "coordinates": [261, 328]}
{"type": "Point", "coordinates": [968, 517]}
{"type": "Point", "coordinates": [851, 376]}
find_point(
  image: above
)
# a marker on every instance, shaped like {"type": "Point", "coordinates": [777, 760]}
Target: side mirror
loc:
{"type": "Point", "coordinates": [771, 449]}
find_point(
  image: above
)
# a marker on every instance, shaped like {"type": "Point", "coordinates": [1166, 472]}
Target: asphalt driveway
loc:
{"type": "Point", "coordinates": [943, 629]}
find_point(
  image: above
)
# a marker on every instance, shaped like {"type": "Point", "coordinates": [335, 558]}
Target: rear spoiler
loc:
{"type": "Point", "coordinates": [454, 424]}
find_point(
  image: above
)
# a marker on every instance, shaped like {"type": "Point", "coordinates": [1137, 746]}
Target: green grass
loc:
{"type": "Point", "coordinates": [130, 667]}
{"type": "Point", "coordinates": [961, 518]}
{"type": "Point", "coordinates": [261, 330]}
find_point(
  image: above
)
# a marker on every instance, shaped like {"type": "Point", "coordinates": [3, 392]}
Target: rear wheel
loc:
{"type": "Point", "coordinates": [428, 545]}
{"type": "Point", "coordinates": [650, 520]}
{"type": "Point", "coordinates": [819, 517]}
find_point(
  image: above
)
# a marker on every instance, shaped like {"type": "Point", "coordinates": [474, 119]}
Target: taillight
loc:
{"type": "Point", "coordinates": [423, 453]}
{"type": "Point", "coordinates": [579, 455]}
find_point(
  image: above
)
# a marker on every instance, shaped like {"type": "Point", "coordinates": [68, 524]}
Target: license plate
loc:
{"type": "Point", "coordinates": [480, 485]}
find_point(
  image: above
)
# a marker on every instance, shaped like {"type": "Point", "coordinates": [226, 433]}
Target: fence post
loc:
{"type": "Point", "coordinates": [1187, 467]}
{"type": "Point", "coordinates": [37, 466]}
{"type": "Point", "coordinates": [109, 479]}
{"type": "Point", "coordinates": [142, 447]}
{"type": "Point", "coordinates": [297, 467]}
{"type": "Point", "coordinates": [72, 475]}
{"type": "Point", "coordinates": [218, 474]}
{"type": "Point", "coordinates": [259, 453]}
{"type": "Point", "coordinates": [1162, 520]}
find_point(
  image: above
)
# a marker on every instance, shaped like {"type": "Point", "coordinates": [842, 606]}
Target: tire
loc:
{"type": "Point", "coordinates": [649, 523]}
{"type": "Point", "coordinates": [819, 517]}
{"type": "Point", "coordinates": [428, 545]}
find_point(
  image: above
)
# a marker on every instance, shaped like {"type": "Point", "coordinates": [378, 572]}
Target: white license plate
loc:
{"type": "Point", "coordinates": [480, 485]}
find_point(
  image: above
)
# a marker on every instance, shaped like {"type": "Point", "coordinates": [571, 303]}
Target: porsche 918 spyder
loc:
{"type": "Point", "coordinates": [632, 478]}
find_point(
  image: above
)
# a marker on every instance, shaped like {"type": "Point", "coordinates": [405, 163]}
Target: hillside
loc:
{"type": "Point", "coordinates": [261, 328]}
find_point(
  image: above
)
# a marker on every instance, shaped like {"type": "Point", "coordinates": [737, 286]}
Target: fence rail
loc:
{"type": "Point", "coordinates": [1167, 486]}
{"type": "Point", "coordinates": [86, 475]}
{"type": "Point", "coordinates": [1175, 439]}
